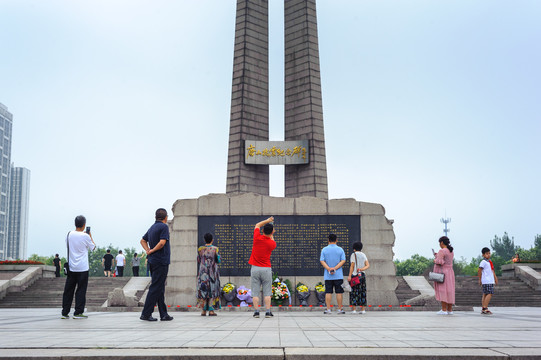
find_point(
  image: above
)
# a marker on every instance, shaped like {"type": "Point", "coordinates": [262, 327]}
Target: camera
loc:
{"type": "Point", "coordinates": [87, 230]}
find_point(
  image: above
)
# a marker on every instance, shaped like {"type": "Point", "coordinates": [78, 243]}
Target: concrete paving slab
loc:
{"type": "Point", "coordinates": [40, 333]}
{"type": "Point", "coordinates": [394, 353]}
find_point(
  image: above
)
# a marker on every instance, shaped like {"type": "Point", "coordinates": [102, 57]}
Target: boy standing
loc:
{"type": "Point", "coordinates": [333, 258]}
{"type": "Point", "coordinates": [487, 278]}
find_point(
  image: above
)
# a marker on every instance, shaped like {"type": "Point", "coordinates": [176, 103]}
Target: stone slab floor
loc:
{"type": "Point", "coordinates": [509, 333]}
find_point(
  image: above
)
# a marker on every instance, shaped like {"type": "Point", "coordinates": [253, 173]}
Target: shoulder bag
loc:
{"type": "Point", "coordinates": [67, 263]}
{"type": "Point", "coordinates": [436, 277]}
{"type": "Point", "coordinates": [355, 280]}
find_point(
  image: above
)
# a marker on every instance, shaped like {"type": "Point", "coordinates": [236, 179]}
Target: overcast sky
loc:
{"type": "Point", "coordinates": [430, 108]}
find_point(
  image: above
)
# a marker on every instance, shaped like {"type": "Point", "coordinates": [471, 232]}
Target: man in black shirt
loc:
{"type": "Point", "coordinates": [57, 265]}
{"type": "Point", "coordinates": [156, 244]}
{"type": "Point", "coordinates": [107, 263]}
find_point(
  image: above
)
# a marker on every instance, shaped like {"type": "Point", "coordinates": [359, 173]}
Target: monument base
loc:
{"type": "Point", "coordinates": [376, 231]}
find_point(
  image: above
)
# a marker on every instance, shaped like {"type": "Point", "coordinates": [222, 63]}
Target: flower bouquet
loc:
{"type": "Point", "coordinates": [303, 293]}
{"type": "Point", "coordinates": [244, 295]}
{"type": "Point", "coordinates": [320, 293]}
{"type": "Point", "coordinates": [228, 291]}
{"type": "Point", "coordinates": [280, 291]}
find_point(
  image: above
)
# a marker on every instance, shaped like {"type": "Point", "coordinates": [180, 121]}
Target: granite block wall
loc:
{"type": "Point", "coordinates": [376, 232]}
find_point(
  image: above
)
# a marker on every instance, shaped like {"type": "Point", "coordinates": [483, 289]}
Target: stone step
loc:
{"type": "Point", "coordinates": [508, 292]}
{"type": "Point", "coordinates": [47, 292]}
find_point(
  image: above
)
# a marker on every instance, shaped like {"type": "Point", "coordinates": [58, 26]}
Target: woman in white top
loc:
{"type": "Point", "coordinates": [359, 263]}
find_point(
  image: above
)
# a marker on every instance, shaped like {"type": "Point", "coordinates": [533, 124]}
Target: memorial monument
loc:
{"type": "Point", "coordinates": [305, 216]}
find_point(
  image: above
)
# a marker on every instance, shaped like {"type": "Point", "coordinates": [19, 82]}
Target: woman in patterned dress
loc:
{"type": "Point", "coordinates": [359, 263]}
{"type": "Point", "coordinates": [443, 263]}
{"type": "Point", "coordinates": [208, 277]}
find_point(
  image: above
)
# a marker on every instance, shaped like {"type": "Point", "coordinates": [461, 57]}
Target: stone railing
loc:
{"type": "Point", "coordinates": [527, 272]}
{"type": "Point", "coordinates": [27, 276]}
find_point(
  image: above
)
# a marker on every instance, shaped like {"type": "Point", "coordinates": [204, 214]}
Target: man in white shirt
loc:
{"type": "Point", "coordinates": [120, 262]}
{"type": "Point", "coordinates": [78, 243]}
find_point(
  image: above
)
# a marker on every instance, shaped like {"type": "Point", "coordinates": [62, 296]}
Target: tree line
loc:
{"type": "Point", "coordinates": [503, 250]}
{"type": "Point", "coordinates": [94, 260]}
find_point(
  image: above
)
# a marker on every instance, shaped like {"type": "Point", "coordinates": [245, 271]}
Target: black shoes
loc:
{"type": "Point", "coordinates": [256, 314]}
{"type": "Point", "coordinates": [150, 318]}
{"type": "Point", "coordinates": [268, 314]}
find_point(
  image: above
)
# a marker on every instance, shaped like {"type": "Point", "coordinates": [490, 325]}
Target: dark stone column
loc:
{"type": "Point", "coordinates": [249, 97]}
{"type": "Point", "coordinates": [303, 104]}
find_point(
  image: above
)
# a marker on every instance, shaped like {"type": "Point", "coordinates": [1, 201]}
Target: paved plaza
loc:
{"type": "Point", "coordinates": [511, 333]}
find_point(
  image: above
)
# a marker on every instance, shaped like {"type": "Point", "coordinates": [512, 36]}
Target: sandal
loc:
{"type": "Point", "coordinates": [204, 313]}
{"type": "Point", "coordinates": [212, 313]}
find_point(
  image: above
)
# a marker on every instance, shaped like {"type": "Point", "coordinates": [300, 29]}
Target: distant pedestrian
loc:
{"type": "Point", "coordinates": [516, 259]}
{"type": "Point", "coordinates": [443, 263]}
{"type": "Point", "coordinates": [359, 264]}
{"type": "Point", "coordinates": [107, 263]}
{"type": "Point", "coordinates": [487, 279]}
{"type": "Point", "coordinates": [78, 243]}
{"type": "Point", "coordinates": [208, 277]}
{"type": "Point", "coordinates": [147, 266]}
{"type": "Point", "coordinates": [333, 258]}
{"type": "Point", "coordinates": [156, 244]}
{"type": "Point", "coordinates": [120, 262]}
{"type": "Point", "coordinates": [57, 264]}
{"type": "Point", "coordinates": [135, 264]}
{"type": "Point", "coordinates": [261, 272]}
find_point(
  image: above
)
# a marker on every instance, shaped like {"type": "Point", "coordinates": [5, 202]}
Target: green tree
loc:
{"type": "Point", "coordinates": [504, 246]}
{"type": "Point", "coordinates": [94, 260]}
{"type": "Point", "coordinates": [471, 268]}
{"type": "Point", "coordinates": [47, 260]}
{"type": "Point", "coordinates": [417, 265]}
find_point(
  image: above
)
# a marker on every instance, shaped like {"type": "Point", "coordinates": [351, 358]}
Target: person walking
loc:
{"type": "Point", "coordinates": [208, 277]}
{"type": "Point", "coordinates": [120, 262]}
{"type": "Point", "coordinates": [261, 272]}
{"type": "Point", "coordinates": [57, 265]}
{"type": "Point", "coordinates": [135, 264]}
{"type": "Point", "coordinates": [156, 245]}
{"type": "Point", "coordinates": [443, 263]}
{"type": "Point", "coordinates": [333, 258]}
{"type": "Point", "coordinates": [359, 264]}
{"type": "Point", "coordinates": [107, 263]}
{"type": "Point", "coordinates": [78, 243]}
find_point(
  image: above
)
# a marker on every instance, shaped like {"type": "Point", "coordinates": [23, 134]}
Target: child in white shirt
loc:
{"type": "Point", "coordinates": [487, 279]}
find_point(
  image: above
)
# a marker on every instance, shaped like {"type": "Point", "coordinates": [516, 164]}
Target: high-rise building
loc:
{"type": "Point", "coordinates": [6, 122]}
{"type": "Point", "coordinates": [19, 196]}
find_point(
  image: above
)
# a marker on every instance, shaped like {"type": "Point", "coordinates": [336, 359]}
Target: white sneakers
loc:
{"type": "Point", "coordinates": [358, 312]}
{"type": "Point", "coordinates": [441, 312]}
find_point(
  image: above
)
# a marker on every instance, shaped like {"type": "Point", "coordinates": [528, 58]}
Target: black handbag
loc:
{"type": "Point", "coordinates": [67, 263]}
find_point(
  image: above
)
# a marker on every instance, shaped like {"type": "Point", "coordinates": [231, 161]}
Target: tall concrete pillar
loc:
{"type": "Point", "coordinates": [249, 97]}
{"type": "Point", "coordinates": [303, 104]}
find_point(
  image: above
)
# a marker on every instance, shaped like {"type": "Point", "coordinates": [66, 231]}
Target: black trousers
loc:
{"type": "Point", "coordinates": [120, 271]}
{"type": "Point", "coordinates": [156, 291]}
{"type": "Point", "coordinates": [74, 280]}
{"type": "Point", "coordinates": [57, 271]}
{"type": "Point", "coordinates": [135, 270]}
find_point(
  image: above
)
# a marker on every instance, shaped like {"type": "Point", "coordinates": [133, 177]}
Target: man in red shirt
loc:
{"type": "Point", "coordinates": [261, 273]}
